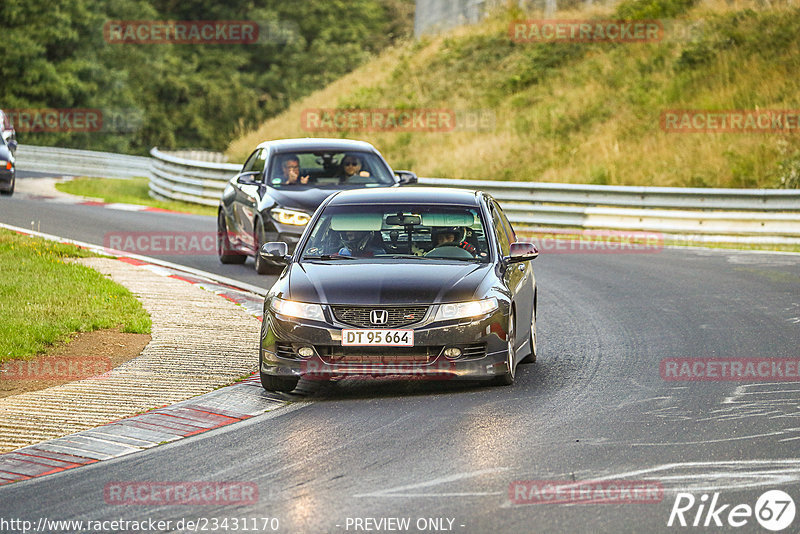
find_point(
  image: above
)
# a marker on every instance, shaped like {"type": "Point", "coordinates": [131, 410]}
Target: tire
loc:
{"type": "Point", "coordinates": [261, 265]}
{"type": "Point", "coordinates": [278, 383]}
{"type": "Point", "coordinates": [224, 251]}
{"type": "Point", "coordinates": [10, 191]}
{"type": "Point", "coordinates": [508, 378]}
{"type": "Point", "coordinates": [531, 358]}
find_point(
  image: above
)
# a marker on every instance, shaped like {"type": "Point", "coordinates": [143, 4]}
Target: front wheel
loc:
{"type": "Point", "coordinates": [224, 250]}
{"type": "Point", "coordinates": [278, 383]}
{"type": "Point", "coordinates": [531, 358]}
{"type": "Point", "coordinates": [507, 378]}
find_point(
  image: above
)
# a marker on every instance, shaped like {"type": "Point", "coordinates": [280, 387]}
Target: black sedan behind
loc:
{"type": "Point", "coordinates": [283, 182]}
{"type": "Point", "coordinates": [414, 283]}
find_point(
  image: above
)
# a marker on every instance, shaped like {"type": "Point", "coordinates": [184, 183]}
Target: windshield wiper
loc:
{"type": "Point", "coordinates": [401, 256]}
{"type": "Point", "coordinates": [329, 257]}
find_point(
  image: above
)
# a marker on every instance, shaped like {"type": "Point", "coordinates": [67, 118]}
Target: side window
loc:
{"type": "Point", "coordinates": [500, 231]}
{"type": "Point", "coordinates": [248, 165]}
{"type": "Point", "coordinates": [512, 236]}
{"type": "Point", "coordinates": [261, 160]}
{"type": "Point", "coordinates": [255, 163]}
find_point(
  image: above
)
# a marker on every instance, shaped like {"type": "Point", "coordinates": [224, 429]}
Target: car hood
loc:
{"type": "Point", "coordinates": [304, 198]}
{"type": "Point", "coordinates": [307, 198]}
{"type": "Point", "coordinates": [341, 282]}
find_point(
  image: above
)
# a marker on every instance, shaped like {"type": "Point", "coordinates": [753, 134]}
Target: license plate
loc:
{"type": "Point", "coordinates": [378, 338]}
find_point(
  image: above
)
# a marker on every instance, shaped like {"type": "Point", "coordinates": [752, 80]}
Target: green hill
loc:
{"type": "Point", "coordinates": [581, 112]}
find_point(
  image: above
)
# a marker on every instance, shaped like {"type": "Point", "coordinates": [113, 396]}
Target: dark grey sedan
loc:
{"type": "Point", "coordinates": [283, 182]}
{"type": "Point", "coordinates": [413, 283]}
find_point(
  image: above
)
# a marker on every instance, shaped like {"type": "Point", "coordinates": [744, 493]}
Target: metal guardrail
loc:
{"type": "Point", "coordinates": [173, 177]}
{"type": "Point", "coordinates": [771, 214]}
{"type": "Point", "coordinates": [766, 215]}
{"type": "Point", "coordinates": [73, 162]}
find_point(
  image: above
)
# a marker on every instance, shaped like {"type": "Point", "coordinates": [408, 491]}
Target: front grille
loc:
{"type": "Point", "coordinates": [398, 316]}
{"type": "Point", "coordinates": [477, 350]}
{"type": "Point", "coordinates": [377, 355]}
{"type": "Point", "coordinates": [284, 350]}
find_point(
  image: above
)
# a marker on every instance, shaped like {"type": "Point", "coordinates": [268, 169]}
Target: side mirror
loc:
{"type": "Point", "coordinates": [277, 251]}
{"type": "Point", "coordinates": [12, 145]}
{"type": "Point", "coordinates": [248, 178]}
{"type": "Point", "coordinates": [522, 252]}
{"type": "Point", "coordinates": [406, 177]}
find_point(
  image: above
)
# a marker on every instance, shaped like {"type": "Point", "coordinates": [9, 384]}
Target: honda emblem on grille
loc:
{"type": "Point", "coordinates": [378, 316]}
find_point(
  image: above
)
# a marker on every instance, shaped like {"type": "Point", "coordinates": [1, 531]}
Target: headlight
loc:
{"type": "Point", "coordinates": [301, 310]}
{"type": "Point", "coordinates": [462, 310]}
{"type": "Point", "coordinates": [293, 217]}
{"type": "Point", "coordinates": [6, 164]}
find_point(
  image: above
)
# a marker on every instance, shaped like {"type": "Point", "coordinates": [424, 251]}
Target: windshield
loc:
{"type": "Point", "coordinates": [329, 168]}
{"type": "Point", "coordinates": [431, 233]}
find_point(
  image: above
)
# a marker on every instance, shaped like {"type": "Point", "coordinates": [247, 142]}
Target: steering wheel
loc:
{"type": "Point", "coordinates": [449, 250]}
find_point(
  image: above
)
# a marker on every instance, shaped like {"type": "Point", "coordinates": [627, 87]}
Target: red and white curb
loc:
{"type": "Point", "coordinates": [80, 201]}
{"type": "Point", "coordinates": [216, 409]}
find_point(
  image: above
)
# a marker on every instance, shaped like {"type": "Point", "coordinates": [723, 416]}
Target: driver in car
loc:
{"type": "Point", "coordinates": [352, 169]}
{"type": "Point", "coordinates": [359, 244]}
{"type": "Point", "coordinates": [291, 171]}
{"type": "Point", "coordinates": [453, 236]}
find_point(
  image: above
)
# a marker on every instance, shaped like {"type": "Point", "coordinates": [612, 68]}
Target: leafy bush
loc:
{"type": "Point", "coordinates": [182, 95]}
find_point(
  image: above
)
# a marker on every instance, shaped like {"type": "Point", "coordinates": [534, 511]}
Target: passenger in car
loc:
{"type": "Point", "coordinates": [352, 169]}
{"type": "Point", "coordinates": [363, 244]}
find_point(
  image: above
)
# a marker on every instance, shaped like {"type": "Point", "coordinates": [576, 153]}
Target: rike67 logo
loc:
{"type": "Point", "coordinates": [774, 510]}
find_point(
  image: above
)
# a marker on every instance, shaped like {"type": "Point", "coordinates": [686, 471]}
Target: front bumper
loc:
{"type": "Point", "coordinates": [482, 340]}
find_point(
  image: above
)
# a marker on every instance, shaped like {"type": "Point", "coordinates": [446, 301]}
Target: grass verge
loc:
{"type": "Point", "coordinates": [44, 299]}
{"type": "Point", "coordinates": [128, 191]}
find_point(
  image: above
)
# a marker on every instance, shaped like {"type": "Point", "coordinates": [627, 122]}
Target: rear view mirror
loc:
{"type": "Point", "coordinates": [403, 220]}
{"type": "Point", "coordinates": [522, 252]}
{"type": "Point", "coordinates": [277, 251]}
{"type": "Point", "coordinates": [248, 178]}
{"type": "Point", "coordinates": [406, 177]}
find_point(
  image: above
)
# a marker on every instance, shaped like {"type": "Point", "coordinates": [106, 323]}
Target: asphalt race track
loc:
{"type": "Point", "coordinates": [444, 455]}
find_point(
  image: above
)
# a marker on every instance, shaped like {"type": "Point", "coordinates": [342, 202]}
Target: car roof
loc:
{"type": "Point", "coordinates": [317, 143]}
{"type": "Point", "coordinates": [407, 195]}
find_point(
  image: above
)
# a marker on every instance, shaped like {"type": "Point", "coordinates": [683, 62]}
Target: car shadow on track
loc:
{"type": "Point", "coordinates": [529, 378]}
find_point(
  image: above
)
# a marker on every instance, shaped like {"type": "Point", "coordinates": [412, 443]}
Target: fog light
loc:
{"type": "Point", "coordinates": [452, 353]}
{"type": "Point", "coordinates": [305, 352]}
